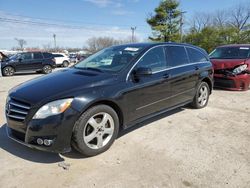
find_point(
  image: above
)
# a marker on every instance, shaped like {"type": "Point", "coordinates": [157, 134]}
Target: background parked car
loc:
{"type": "Point", "coordinates": [232, 66]}
{"type": "Point", "coordinates": [61, 59]}
{"type": "Point", "coordinates": [28, 61]}
{"type": "Point", "coordinates": [73, 58]}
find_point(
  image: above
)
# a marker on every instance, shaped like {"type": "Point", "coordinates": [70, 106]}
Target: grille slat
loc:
{"type": "Point", "coordinates": [19, 105]}
{"type": "Point", "coordinates": [17, 110]}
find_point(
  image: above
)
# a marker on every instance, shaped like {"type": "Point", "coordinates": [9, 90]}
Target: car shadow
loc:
{"type": "Point", "coordinates": [150, 120]}
{"type": "Point", "coordinates": [37, 156]}
{"type": "Point", "coordinates": [25, 152]}
{"type": "Point", "coordinates": [26, 73]}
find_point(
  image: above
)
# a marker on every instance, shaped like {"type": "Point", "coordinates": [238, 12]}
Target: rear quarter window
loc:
{"type": "Point", "coordinates": [47, 55]}
{"type": "Point", "coordinates": [195, 55]}
{"type": "Point", "coordinates": [37, 55]}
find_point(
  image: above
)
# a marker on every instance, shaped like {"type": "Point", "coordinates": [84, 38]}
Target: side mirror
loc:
{"type": "Point", "coordinates": [143, 71]}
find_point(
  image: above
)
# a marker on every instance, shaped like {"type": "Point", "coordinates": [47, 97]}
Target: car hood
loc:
{"type": "Point", "coordinates": [60, 84]}
{"type": "Point", "coordinates": [219, 64]}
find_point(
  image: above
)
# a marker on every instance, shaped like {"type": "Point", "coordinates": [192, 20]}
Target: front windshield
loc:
{"type": "Point", "coordinates": [14, 57]}
{"type": "Point", "coordinates": [230, 53]}
{"type": "Point", "coordinates": [111, 59]}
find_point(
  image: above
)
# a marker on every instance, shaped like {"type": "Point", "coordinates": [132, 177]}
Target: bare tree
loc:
{"type": "Point", "coordinates": [95, 44]}
{"type": "Point", "coordinates": [240, 16]}
{"type": "Point", "coordinates": [200, 21]}
{"type": "Point", "coordinates": [21, 43]}
{"type": "Point", "coordinates": [220, 18]}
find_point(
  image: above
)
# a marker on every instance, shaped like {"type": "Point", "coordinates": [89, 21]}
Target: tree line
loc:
{"type": "Point", "coordinates": [207, 30]}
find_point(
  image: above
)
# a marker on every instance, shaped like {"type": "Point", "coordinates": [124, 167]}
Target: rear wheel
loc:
{"type": "Point", "coordinates": [8, 71]}
{"type": "Point", "coordinates": [65, 63]}
{"type": "Point", "coordinates": [47, 69]}
{"type": "Point", "coordinates": [202, 96]}
{"type": "Point", "coordinates": [96, 130]}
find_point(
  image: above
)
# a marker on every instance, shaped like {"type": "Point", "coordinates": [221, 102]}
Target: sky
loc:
{"type": "Point", "coordinates": [75, 21]}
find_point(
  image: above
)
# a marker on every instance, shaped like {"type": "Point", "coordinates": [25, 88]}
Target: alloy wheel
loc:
{"type": "Point", "coordinates": [98, 130]}
{"type": "Point", "coordinates": [47, 69]}
{"type": "Point", "coordinates": [203, 96]}
{"type": "Point", "coordinates": [9, 71]}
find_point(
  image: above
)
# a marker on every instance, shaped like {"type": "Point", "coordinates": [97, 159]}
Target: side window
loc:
{"type": "Point", "coordinates": [26, 56]}
{"type": "Point", "coordinates": [47, 55]}
{"type": "Point", "coordinates": [37, 55]}
{"type": "Point", "coordinates": [57, 55]}
{"type": "Point", "coordinates": [195, 55]}
{"type": "Point", "coordinates": [154, 59]}
{"type": "Point", "coordinates": [176, 55]}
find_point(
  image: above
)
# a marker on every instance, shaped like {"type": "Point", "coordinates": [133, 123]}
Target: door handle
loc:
{"type": "Point", "coordinates": [166, 76]}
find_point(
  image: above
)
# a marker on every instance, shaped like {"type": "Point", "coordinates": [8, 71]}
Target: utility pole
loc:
{"type": "Point", "coordinates": [170, 16]}
{"type": "Point", "coordinates": [54, 36]}
{"type": "Point", "coordinates": [181, 24]}
{"type": "Point", "coordinates": [133, 33]}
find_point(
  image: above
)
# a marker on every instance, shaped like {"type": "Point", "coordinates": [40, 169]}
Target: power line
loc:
{"type": "Point", "coordinates": [71, 21]}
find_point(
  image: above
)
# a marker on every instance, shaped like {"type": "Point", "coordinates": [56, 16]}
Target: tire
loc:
{"type": "Point", "coordinates": [47, 69]}
{"type": "Point", "coordinates": [8, 71]}
{"type": "Point", "coordinates": [96, 130]}
{"type": "Point", "coordinates": [65, 64]}
{"type": "Point", "coordinates": [202, 96]}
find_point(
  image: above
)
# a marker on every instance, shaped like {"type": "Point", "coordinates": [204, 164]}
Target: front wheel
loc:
{"type": "Point", "coordinates": [202, 96]}
{"type": "Point", "coordinates": [96, 130]}
{"type": "Point", "coordinates": [47, 69]}
{"type": "Point", "coordinates": [8, 71]}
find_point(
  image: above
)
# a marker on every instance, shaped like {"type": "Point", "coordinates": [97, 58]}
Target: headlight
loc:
{"type": "Point", "coordinates": [240, 69]}
{"type": "Point", "coordinates": [53, 108]}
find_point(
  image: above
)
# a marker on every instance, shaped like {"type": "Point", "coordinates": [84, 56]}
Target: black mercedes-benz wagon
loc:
{"type": "Point", "coordinates": [85, 106]}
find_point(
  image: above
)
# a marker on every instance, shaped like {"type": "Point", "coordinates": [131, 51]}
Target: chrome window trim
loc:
{"type": "Point", "coordinates": [164, 45]}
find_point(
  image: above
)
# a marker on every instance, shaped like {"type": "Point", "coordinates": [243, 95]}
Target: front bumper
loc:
{"type": "Point", "coordinates": [56, 128]}
{"type": "Point", "coordinates": [234, 83]}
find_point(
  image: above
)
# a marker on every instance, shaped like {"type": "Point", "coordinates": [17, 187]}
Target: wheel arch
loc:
{"type": "Point", "coordinates": [209, 82]}
{"type": "Point", "coordinates": [8, 66]}
{"type": "Point", "coordinates": [111, 104]}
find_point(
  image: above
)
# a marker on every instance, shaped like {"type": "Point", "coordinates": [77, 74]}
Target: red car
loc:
{"type": "Point", "coordinates": [232, 67]}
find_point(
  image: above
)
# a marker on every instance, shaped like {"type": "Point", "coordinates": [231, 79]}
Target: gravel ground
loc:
{"type": "Point", "coordinates": [183, 148]}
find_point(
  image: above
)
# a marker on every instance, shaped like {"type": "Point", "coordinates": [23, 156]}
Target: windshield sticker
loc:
{"type": "Point", "coordinates": [244, 48]}
{"type": "Point", "coordinates": [131, 49]}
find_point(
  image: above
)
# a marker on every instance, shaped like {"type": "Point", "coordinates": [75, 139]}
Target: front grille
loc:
{"type": "Point", "coordinates": [17, 110]}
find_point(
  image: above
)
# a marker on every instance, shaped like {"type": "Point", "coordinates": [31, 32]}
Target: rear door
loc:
{"type": "Point", "coordinates": [37, 63]}
{"type": "Point", "coordinates": [183, 74]}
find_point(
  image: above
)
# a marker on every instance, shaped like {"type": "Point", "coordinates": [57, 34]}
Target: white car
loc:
{"type": "Point", "coordinates": [61, 59]}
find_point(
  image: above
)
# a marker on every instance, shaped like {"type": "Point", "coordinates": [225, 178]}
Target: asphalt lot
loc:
{"type": "Point", "coordinates": [183, 148]}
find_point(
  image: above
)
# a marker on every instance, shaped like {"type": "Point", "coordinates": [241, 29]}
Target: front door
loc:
{"type": "Point", "coordinates": [148, 94]}
{"type": "Point", "coordinates": [24, 62]}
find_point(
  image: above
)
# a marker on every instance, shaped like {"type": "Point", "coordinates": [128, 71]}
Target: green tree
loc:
{"type": "Point", "coordinates": [165, 23]}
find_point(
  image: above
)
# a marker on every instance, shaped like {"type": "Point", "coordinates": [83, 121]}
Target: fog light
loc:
{"type": "Point", "coordinates": [48, 142]}
{"type": "Point", "coordinates": [39, 141]}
